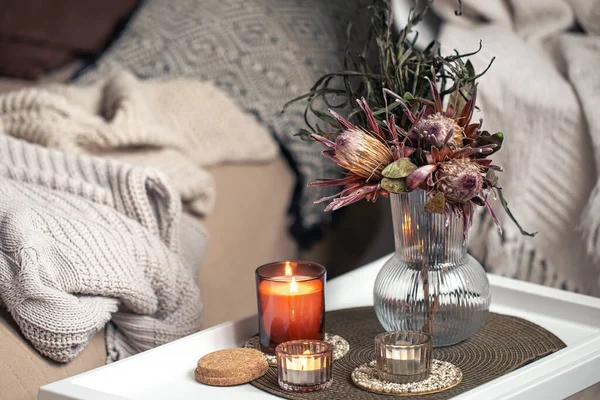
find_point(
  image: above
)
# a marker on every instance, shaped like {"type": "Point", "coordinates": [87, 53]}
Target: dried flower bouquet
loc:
{"type": "Point", "coordinates": [402, 138]}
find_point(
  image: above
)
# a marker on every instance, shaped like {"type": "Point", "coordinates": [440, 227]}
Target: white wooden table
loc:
{"type": "Point", "coordinates": [167, 372]}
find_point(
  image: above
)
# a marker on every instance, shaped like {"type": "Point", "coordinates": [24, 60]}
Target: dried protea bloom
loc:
{"type": "Point", "coordinates": [438, 129]}
{"type": "Point", "coordinates": [460, 180]}
{"type": "Point", "coordinates": [362, 154]}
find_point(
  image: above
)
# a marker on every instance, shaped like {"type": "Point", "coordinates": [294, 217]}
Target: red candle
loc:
{"type": "Point", "coordinates": [291, 302]}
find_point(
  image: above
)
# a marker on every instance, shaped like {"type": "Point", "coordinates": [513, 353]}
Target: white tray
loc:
{"type": "Point", "coordinates": [167, 372]}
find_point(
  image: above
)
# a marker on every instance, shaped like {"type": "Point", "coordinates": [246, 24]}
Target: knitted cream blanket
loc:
{"type": "Point", "coordinates": [543, 92]}
{"type": "Point", "coordinates": [85, 241]}
{"type": "Point", "coordinates": [178, 126]}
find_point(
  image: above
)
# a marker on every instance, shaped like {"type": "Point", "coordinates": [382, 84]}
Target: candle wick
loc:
{"type": "Point", "coordinates": [293, 285]}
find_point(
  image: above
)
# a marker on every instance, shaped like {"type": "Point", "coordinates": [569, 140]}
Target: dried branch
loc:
{"type": "Point", "coordinates": [400, 66]}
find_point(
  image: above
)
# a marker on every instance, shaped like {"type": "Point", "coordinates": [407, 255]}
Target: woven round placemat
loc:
{"type": "Point", "coordinates": [503, 344]}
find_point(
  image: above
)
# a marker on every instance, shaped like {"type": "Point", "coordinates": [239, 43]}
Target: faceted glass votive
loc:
{"type": "Point", "coordinates": [291, 302]}
{"type": "Point", "coordinates": [403, 356]}
{"type": "Point", "coordinates": [304, 365]}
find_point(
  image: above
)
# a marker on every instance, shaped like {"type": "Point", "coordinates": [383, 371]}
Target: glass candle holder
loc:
{"type": "Point", "coordinates": [403, 356]}
{"type": "Point", "coordinates": [291, 302]}
{"type": "Point", "coordinates": [304, 365]}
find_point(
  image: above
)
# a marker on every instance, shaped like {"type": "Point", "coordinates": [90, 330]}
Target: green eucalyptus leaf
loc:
{"type": "Point", "coordinates": [394, 185]}
{"type": "Point", "coordinates": [400, 168]}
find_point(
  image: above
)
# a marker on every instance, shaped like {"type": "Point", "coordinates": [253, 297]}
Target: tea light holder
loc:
{"type": "Point", "coordinates": [403, 356]}
{"type": "Point", "coordinates": [304, 365]}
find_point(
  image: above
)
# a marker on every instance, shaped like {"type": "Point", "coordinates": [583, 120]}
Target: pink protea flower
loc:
{"type": "Point", "coordinates": [437, 130]}
{"type": "Point", "coordinates": [362, 154]}
{"type": "Point", "coordinates": [460, 180]}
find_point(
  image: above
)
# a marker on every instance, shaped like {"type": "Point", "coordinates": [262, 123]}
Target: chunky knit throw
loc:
{"type": "Point", "coordinates": [85, 241]}
{"type": "Point", "coordinates": [543, 92]}
{"type": "Point", "coordinates": [263, 53]}
{"type": "Point", "coordinates": [179, 126]}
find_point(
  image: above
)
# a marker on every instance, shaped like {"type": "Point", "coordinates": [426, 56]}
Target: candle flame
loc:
{"type": "Point", "coordinates": [288, 269]}
{"type": "Point", "coordinates": [293, 285]}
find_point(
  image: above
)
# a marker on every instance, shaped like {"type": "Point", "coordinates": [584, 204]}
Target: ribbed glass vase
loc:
{"type": "Point", "coordinates": [430, 248]}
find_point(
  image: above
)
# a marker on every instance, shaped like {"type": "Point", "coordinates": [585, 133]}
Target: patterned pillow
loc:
{"type": "Point", "coordinates": [262, 52]}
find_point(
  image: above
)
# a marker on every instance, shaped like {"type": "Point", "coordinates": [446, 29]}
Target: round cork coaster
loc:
{"type": "Point", "coordinates": [443, 376]}
{"type": "Point", "coordinates": [230, 367]}
{"type": "Point", "coordinates": [341, 347]}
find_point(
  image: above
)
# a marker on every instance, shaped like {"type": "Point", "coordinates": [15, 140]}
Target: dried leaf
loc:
{"type": "Point", "coordinates": [505, 205]}
{"type": "Point", "coordinates": [304, 134]}
{"type": "Point", "coordinates": [387, 59]}
{"type": "Point", "coordinates": [487, 139]}
{"type": "Point", "coordinates": [394, 185]}
{"type": "Point", "coordinates": [459, 98]}
{"type": "Point", "coordinates": [470, 68]}
{"type": "Point", "coordinates": [491, 177]}
{"type": "Point", "coordinates": [400, 168]}
{"type": "Point", "coordinates": [478, 200]}
{"type": "Point", "coordinates": [419, 175]}
{"type": "Point", "coordinates": [436, 204]}
{"type": "Point", "coordinates": [408, 96]}
{"type": "Point", "coordinates": [420, 157]}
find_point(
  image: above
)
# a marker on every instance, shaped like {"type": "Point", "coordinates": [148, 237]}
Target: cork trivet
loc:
{"type": "Point", "coordinates": [230, 367]}
{"type": "Point", "coordinates": [503, 344]}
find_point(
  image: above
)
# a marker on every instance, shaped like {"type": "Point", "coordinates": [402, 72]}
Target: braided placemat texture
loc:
{"type": "Point", "coordinates": [503, 344]}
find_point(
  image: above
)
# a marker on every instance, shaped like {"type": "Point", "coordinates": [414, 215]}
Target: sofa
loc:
{"type": "Point", "coordinates": [226, 275]}
{"type": "Point", "coordinates": [241, 238]}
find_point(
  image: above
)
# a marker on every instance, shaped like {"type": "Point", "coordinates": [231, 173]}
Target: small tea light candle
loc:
{"type": "Point", "coordinates": [291, 302]}
{"type": "Point", "coordinates": [304, 365]}
{"type": "Point", "coordinates": [403, 356]}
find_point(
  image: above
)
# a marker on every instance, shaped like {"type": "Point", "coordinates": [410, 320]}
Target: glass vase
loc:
{"type": "Point", "coordinates": [431, 249]}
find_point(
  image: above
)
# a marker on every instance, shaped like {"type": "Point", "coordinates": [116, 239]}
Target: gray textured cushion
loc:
{"type": "Point", "coordinates": [262, 52]}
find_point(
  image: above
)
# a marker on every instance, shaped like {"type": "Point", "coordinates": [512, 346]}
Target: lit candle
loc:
{"type": "Point", "coordinates": [304, 365]}
{"type": "Point", "coordinates": [403, 356]}
{"type": "Point", "coordinates": [290, 302]}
